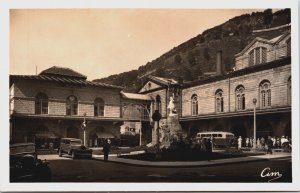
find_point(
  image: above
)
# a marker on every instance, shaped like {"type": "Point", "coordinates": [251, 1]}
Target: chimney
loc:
{"type": "Point", "coordinates": [219, 62]}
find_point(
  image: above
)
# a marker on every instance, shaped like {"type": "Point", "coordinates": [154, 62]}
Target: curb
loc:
{"type": "Point", "coordinates": [195, 164]}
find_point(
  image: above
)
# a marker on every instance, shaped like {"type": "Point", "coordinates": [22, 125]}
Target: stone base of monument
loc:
{"type": "Point", "coordinates": [171, 131]}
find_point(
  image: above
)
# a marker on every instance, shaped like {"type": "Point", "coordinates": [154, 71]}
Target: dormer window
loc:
{"type": "Point", "coordinates": [258, 56]}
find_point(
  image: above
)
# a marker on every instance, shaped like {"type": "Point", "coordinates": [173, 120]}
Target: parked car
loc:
{"type": "Point", "coordinates": [74, 147]}
{"type": "Point", "coordinates": [24, 165]}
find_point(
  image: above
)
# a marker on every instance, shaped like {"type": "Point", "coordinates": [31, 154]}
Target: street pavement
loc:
{"type": "Point", "coordinates": [64, 169]}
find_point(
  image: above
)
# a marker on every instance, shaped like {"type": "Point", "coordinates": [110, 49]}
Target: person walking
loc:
{"type": "Point", "coordinates": [247, 142]}
{"type": "Point", "coordinates": [106, 149]}
{"type": "Point", "coordinates": [51, 147]}
{"type": "Point", "coordinates": [208, 149]}
{"type": "Point", "coordinates": [240, 142]}
{"type": "Point", "coordinates": [269, 144]}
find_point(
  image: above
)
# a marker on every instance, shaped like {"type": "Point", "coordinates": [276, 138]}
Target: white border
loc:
{"type": "Point", "coordinates": [193, 4]}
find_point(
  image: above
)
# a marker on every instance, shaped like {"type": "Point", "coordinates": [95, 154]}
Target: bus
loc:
{"type": "Point", "coordinates": [220, 138]}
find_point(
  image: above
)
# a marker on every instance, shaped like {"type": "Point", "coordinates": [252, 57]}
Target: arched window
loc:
{"type": "Point", "coordinates": [265, 94]}
{"type": "Point", "coordinates": [219, 101]}
{"type": "Point", "coordinates": [258, 56]}
{"type": "Point", "coordinates": [288, 47]}
{"type": "Point", "coordinates": [194, 100]}
{"type": "Point", "coordinates": [240, 98]}
{"type": "Point", "coordinates": [158, 103]}
{"type": "Point", "coordinates": [99, 107]}
{"type": "Point", "coordinates": [72, 105]}
{"type": "Point", "coordinates": [289, 92]}
{"type": "Point", "coordinates": [41, 104]}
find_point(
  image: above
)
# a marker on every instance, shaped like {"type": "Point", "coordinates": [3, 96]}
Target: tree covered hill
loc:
{"type": "Point", "coordinates": [191, 59]}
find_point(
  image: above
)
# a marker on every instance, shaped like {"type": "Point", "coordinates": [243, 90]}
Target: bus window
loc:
{"type": "Point", "coordinates": [215, 135]}
{"type": "Point", "coordinates": [219, 135]}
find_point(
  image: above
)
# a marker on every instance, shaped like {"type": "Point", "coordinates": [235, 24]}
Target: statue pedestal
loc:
{"type": "Point", "coordinates": [172, 131]}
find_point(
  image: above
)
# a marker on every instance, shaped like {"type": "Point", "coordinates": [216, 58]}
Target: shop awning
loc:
{"type": "Point", "coordinates": [46, 135]}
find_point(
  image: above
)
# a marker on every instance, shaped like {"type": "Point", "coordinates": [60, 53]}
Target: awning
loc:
{"type": "Point", "coordinates": [104, 135]}
{"type": "Point", "coordinates": [46, 135]}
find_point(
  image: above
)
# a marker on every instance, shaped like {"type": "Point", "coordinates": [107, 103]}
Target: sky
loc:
{"type": "Point", "coordinates": [102, 42]}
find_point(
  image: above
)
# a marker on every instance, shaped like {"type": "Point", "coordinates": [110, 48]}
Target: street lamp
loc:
{"type": "Point", "coordinates": [83, 126]}
{"type": "Point", "coordinates": [254, 123]}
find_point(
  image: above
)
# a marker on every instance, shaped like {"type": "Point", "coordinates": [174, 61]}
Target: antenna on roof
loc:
{"type": "Point", "coordinates": [36, 70]}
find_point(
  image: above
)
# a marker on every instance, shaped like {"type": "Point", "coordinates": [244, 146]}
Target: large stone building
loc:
{"type": "Point", "coordinates": [55, 103]}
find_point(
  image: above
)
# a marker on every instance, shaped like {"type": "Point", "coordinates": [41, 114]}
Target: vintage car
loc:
{"type": "Point", "coordinates": [25, 166]}
{"type": "Point", "coordinates": [74, 147]}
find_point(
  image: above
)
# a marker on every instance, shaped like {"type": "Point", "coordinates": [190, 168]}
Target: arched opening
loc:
{"type": "Point", "coordinates": [41, 104]}
{"type": "Point", "coordinates": [99, 107]}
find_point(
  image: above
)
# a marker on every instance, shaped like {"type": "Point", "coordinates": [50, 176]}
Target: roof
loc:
{"type": "Point", "coordinates": [259, 67]}
{"type": "Point", "coordinates": [61, 71]}
{"type": "Point", "coordinates": [266, 41]}
{"type": "Point", "coordinates": [60, 79]}
{"type": "Point", "coordinates": [162, 81]}
{"type": "Point", "coordinates": [134, 96]}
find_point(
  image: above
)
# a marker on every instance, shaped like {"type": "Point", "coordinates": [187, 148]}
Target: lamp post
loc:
{"type": "Point", "coordinates": [254, 123]}
{"type": "Point", "coordinates": [156, 117]}
{"type": "Point", "coordinates": [83, 126]}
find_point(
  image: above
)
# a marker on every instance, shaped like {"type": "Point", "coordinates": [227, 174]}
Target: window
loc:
{"type": "Point", "coordinates": [99, 107]}
{"type": "Point", "coordinates": [240, 98]}
{"type": "Point", "coordinates": [289, 93]}
{"type": "Point", "coordinates": [72, 105]}
{"type": "Point", "coordinates": [41, 104]}
{"type": "Point", "coordinates": [158, 103]}
{"type": "Point", "coordinates": [194, 104]}
{"type": "Point", "coordinates": [265, 94]}
{"type": "Point", "coordinates": [258, 56]}
{"type": "Point", "coordinates": [146, 111]}
{"type": "Point", "coordinates": [219, 101]}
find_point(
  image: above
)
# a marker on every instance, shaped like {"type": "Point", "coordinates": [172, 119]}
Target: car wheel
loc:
{"type": "Point", "coordinates": [59, 153]}
{"type": "Point", "coordinates": [73, 155]}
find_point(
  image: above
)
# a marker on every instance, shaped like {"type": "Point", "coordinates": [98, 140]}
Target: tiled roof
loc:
{"type": "Point", "coordinates": [60, 71]}
{"type": "Point", "coordinates": [134, 96]}
{"type": "Point", "coordinates": [162, 81]}
{"type": "Point", "coordinates": [61, 79]}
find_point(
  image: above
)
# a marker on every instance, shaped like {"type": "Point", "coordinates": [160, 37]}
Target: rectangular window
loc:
{"type": "Point", "coordinates": [251, 58]}
{"type": "Point", "coordinates": [263, 55]}
{"type": "Point", "coordinates": [257, 56]}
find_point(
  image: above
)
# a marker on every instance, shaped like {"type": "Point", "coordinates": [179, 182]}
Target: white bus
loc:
{"type": "Point", "coordinates": [220, 138]}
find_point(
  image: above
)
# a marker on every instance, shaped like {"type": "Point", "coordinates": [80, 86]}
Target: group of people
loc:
{"type": "Point", "coordinates": [262, 143]}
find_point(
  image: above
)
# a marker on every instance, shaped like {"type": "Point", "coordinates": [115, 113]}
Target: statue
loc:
{"type": "Point", "coordinates": [171, 106]}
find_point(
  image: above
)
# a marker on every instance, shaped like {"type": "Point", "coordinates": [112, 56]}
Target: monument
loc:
{"type": "Point", "coordinates": [171, 131]}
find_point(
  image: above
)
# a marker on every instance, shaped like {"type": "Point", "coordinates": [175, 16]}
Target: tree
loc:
{"type": "Point", "coordinates": [206, 54]}
{"type": "Point", "coordinates": [268, 16]}
{"type": "Point", "coordinates": [178, 59]}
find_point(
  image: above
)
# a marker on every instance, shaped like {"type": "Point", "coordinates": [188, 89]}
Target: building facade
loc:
{"type": "Point", "coordinates": [56, 102]}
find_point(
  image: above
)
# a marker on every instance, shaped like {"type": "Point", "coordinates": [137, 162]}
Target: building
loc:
{"type": "Point", "coordinates": [225, 102]}
{"type": "Point", "coordinates": [56, 102]}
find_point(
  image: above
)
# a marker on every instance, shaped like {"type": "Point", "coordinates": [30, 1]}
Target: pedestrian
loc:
{"type": "Point", "coordinates": [269, 144]}
{"type": "Point", "coordinates": [247, 142]}
{"type": "Point", "coordinates": [208, 149]}
{"type": "Point", "coordinates": [251, 142]}
{"type": "Point", "coordinates": [262, 142]}
{"type": "Point", "coordinates": [277, 142]}
{"type": "Point", "coordinates": [240, 142]}
{"type": "Point", "coordinates": [51, 147]}
{"type": "Point", "coordinates": [258, 144]}
{"type": "Point", "coordinates": [106, 149]}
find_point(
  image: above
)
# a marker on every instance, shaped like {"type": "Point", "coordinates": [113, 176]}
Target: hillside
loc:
{"type": "Point", "coordinates": [196, 56]}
